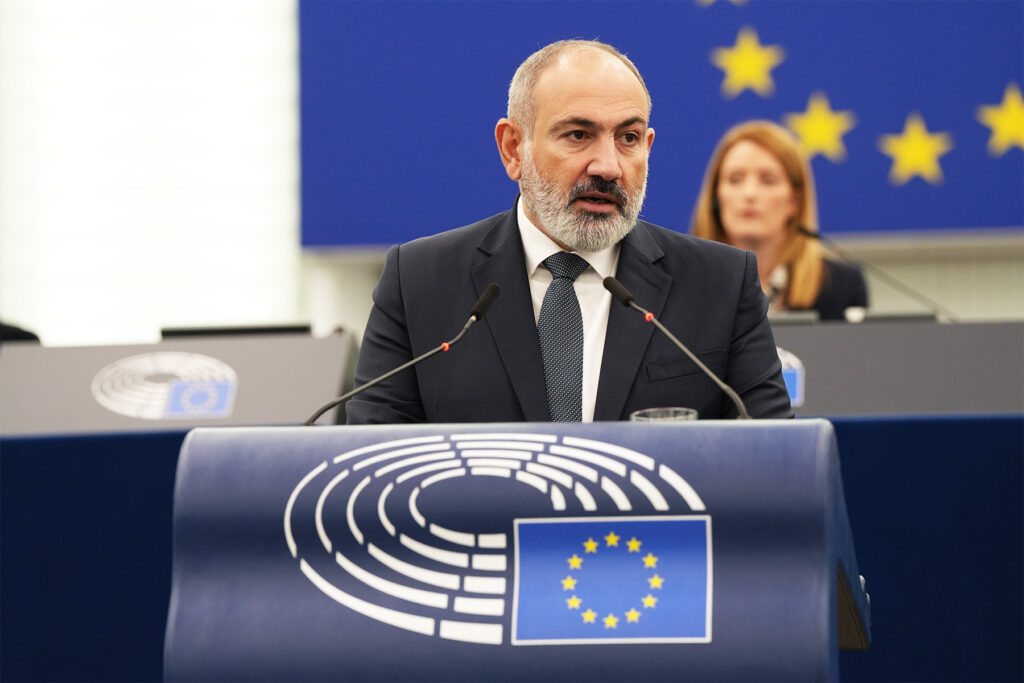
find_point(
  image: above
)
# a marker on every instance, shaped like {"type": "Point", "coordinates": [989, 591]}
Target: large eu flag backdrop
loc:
{"type": "Point", "coordinates": [911, 111]}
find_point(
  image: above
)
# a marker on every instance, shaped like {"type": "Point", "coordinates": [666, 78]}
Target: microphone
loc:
{"type": "Point", "coordinates": [623, 296]}
{"type": "Point", "coordinates": [479, 309]}
{"type": "Point", "coordinates": [931, 305]}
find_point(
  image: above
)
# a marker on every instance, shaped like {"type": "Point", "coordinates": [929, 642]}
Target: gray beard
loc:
{"type": "Point", "coordinates": [578, 229]}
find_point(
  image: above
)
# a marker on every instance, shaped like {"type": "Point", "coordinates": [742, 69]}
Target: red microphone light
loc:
{"type": "Point", "coordinates": [649, 317]}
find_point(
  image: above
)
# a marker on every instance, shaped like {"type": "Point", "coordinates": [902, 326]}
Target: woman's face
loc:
{"type": "Point", "coordinates": [755, 197]}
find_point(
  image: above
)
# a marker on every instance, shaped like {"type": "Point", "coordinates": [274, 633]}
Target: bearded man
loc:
{"type": "Point", "coordinates": [576, 138]}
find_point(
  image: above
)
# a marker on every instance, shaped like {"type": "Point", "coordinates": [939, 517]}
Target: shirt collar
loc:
{"type": "Point", "coordinates": [538, 246]}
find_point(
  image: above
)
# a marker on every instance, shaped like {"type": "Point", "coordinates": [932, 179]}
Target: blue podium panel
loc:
{"type": "Point", "coordinates": [537, 551]}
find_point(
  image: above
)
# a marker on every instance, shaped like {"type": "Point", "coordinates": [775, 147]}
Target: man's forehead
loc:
{"type": "Point", "coordinates": [585, 82]}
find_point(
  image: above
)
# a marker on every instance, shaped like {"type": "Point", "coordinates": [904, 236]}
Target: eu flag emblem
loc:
{"type": "Point", "coordinates": [200, 399]}
{"type": "Point", "coordinates": [612, 580]}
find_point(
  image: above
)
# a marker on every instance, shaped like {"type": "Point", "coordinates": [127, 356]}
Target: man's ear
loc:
{"type": "Point", "coordinates": [509, 137]}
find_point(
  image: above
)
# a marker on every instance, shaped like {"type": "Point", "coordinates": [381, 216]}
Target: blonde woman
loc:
{"type": "Point", "coordinates": [758, 195]}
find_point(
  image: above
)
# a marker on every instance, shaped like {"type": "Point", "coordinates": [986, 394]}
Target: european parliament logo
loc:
{"type": "Point", "coordinates": [612, 580]}
{"type": "Point", "coordinates": [600, 544]}
{"type": "Point", "coordinates": [167, 385]}
{"type": "Point", "coordinates": [200, 399]}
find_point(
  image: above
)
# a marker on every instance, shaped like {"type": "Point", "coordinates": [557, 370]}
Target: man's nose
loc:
{"type": "Point", "coordinates": [605, 162]}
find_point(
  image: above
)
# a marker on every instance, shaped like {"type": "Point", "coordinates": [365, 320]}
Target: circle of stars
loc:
{"type": "Point", "coordinates": [632, 615]}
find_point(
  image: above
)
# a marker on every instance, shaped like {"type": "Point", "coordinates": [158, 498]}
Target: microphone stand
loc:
{"type": "Point", "coordinates": [486, 299]}
{"type": "Point", "coordinates": [626, 299]}
{"type": "Point", "coordinates": [932, 305]}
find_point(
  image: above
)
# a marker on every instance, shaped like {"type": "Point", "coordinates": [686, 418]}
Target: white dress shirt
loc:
{"type": "Point", "coordinates": [595, 300]}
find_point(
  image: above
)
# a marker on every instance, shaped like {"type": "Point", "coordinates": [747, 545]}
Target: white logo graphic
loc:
{"type": "Point", "coordinates": [166, 385]}
{"type": "Point", "coordinates": [448, 582]}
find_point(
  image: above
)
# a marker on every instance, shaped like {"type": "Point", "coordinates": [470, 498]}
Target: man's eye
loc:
{"type": "Point", "coordinates": [576, 135]}
{"type": "Point", "coordinates": [631, 138]}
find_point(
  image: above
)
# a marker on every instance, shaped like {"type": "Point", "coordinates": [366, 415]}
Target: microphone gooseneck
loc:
{"type": "Point", "coordinates": [623, 296]}
{"type": "Point", "coordinates": [932, 305]}
{"type": "Point", "coordinates": [620, 293]}
{"type": "Point", "coordinates": [481, 307]}
{"type": "Point", "coordinates": [483, 304]}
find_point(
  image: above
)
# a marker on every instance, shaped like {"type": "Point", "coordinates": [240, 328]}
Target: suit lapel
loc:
{"type": "Point", "coordinates": [510, 320]}
{"type": "Point", "coordinates": [628, 334]}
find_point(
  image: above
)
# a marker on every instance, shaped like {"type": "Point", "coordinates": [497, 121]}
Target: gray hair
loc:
{"type": "Point", "coordinates": [521, 107]}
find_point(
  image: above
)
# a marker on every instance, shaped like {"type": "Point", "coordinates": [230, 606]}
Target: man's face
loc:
{"type": "Point", "coordinates": [584, 170]}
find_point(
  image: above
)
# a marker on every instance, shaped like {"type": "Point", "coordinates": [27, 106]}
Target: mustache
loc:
{"type": "Point", "coordinates": [598, 184]}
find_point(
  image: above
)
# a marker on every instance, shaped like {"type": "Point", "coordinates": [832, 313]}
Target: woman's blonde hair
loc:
{"type": "Point", "coordinates": [800, 254]}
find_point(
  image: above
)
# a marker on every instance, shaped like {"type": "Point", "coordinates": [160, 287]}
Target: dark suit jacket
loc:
{"type": "Point", "coordinates": [842, 286]}
{"type": "Point", "coordinates": [707, 293]}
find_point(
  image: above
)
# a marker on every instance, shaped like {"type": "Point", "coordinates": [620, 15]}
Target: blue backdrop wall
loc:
{"type": "Point", "coordinates": [911, 111]}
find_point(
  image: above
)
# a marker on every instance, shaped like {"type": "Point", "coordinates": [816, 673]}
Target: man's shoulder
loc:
{"type": "Point", "coordinates": [466, 235]}
{"type": "Point", "coordinates": [675, 243]}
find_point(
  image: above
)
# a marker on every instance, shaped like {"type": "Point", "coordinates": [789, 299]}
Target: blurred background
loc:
{"type": "Point", "coordinates": [247, 162]}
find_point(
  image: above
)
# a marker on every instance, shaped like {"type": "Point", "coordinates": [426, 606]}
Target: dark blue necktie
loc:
{"type": "Point", "coordinates": [560, 328]}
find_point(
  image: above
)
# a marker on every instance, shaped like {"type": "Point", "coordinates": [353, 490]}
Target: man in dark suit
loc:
{"type": "Point", "coordinates": [576, 139]}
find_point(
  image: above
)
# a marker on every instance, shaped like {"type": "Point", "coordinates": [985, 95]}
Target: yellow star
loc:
{"type": "Point", "coordinates": [632, 616]}
{"type": "Point", "coordinates": [915, 151]}
{"type": "Point", "coordinates": [650, 561]}
{"type": "Point", "coordinates": [655, 581]}
{"type": "Point", "coordinates": [820, 129]}
{"type": "Point", "coordinates": [611, 621]}
{"type": "Point", "coordinates": [611, 539]}
{"type": "Point", "coordinates": [1006, 121]}
{"type": "Point", "coordinates": [650, 601]}
{"type": "Point", "coordinates": [748, 64]}
{"type": "Point", "coordinates": [574, 602]}
{"type": "Point", "coordinates": [634, 545]}
{"type": "Point", "coordinates": [590, 545]}
{"type": "Point", "coordinates": [575, 562]}
{"type": "Point", "coordinates": [589, 616]}
{"type": "Point", "coordinates": [568, 583]}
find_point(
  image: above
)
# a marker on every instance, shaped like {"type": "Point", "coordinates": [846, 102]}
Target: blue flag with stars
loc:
{"type": "Point", "coordinates": [911, 113]}
{"type": "Point", "coordinates": [612, 579]}
{"type": "Point", "coordinates": [200, 399]}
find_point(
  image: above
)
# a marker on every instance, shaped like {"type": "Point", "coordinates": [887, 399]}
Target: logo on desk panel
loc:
{"type": "Point", "coordinates": [593, 548]}
{"type": "Point", "coordinates": [612, 580]}
{"type": "Point", "coordinates": [793, 374]}
{"type": "Point", "coordinates": [167, 385]}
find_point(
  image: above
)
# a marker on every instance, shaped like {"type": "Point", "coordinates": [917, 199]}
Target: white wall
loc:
{"type": "Point", "coordinates": [977, 276]}
{"type": "Point", "coordinates": [148, 166]}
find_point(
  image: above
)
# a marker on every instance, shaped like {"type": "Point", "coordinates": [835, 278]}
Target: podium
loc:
{"type": "Point", "coordinates": [530, 551]}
